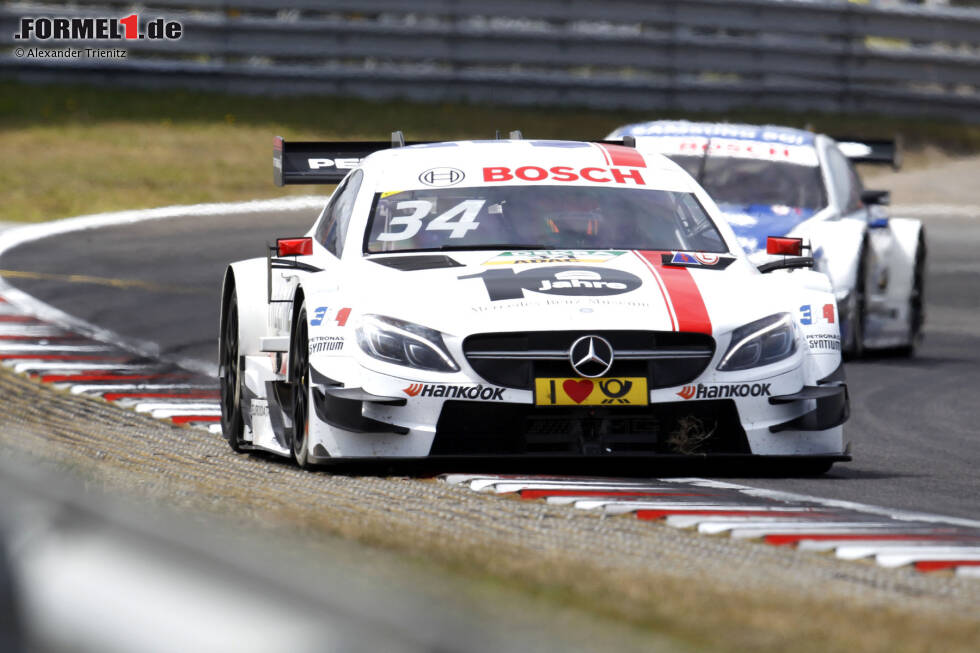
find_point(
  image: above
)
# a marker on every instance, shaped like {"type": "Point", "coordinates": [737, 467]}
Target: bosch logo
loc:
{"type": "Point", "coordinates": [440, 177]}
{"type": "Point", "coordinates": [591, 356]}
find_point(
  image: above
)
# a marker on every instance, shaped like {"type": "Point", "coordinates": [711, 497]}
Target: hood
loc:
{"type": "Point", "coordinates": [460, 293]}
{"type": "Point", "coordinates": [753, 223]}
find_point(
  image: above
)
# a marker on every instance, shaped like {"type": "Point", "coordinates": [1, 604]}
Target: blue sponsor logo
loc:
{"type": "Point", "coordinates": [318, 315]}
{"type": "Point", "coordinates": [754, 223]}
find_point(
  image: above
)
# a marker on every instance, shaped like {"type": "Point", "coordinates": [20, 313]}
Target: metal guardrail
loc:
{"type": "Point", "coordinates": [657, 55]}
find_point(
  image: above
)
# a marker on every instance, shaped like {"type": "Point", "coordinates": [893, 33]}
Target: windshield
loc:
{"type": "Point", "coordinates": [540, 217]}
{"type": "Point", "coordinates": [749, 182]}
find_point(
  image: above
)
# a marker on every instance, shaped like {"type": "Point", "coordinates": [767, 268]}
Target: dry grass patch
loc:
{"type": "Point", "coordinates": [81, 149]}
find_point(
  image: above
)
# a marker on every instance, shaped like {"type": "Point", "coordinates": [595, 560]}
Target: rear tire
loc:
{"type": "Point", "coordinates": [299, 365]}
{"type": "Point", "coordinates": [231, 378]}
{"type": "Point", "coordinates": [856, 308]}
{"type": "Point", "coordinates": [917, 314]}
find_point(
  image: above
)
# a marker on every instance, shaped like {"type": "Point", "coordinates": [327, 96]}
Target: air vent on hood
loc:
{"type": "Point", "coordinates": [423, 262]}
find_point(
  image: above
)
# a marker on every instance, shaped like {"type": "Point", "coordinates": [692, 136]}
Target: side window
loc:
{"type": "Point", "coordinates": [333, 228]}
{"type": "Point", "coordinates": [847, 184]}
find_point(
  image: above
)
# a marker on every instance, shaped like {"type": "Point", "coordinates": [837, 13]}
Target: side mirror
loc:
{"type": "Point", "coordinates": [876, 197]}
{"type": "Point", "coordinates": [294, 246]}
{"type": "Point", "coordinates": [784, 246]}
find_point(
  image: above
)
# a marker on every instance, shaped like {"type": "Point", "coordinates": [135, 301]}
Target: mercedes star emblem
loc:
{"type": "Point", "coordinates": [591, 356]}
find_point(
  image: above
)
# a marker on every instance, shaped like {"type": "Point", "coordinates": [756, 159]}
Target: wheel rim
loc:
{"type": "Point", "coordinates": [302, 390]}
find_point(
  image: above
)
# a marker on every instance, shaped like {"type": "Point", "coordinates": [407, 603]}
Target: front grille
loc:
{"type": "Point", "coordinates": [483, 428]}
{"type": "Point", "coordinates": [512, 360]}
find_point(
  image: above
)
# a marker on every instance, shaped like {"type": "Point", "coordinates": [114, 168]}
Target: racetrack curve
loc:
{"type": "Point", "coordinates": [913, 425]}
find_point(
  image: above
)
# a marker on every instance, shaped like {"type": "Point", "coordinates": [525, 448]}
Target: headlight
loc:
{"type": "Point", "coordinates": [404, 343]}
{"type": "Point", "coordinates": [761, 342]}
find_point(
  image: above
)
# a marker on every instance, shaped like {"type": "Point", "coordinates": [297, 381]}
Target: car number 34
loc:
{"type": "Point", "coordinates": [466, 210]}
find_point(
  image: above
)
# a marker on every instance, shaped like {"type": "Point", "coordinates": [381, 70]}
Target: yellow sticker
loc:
{"type": "Point", "coordinates": [607, 391]}
{"type": "Point", "coordinates": [390, 193]}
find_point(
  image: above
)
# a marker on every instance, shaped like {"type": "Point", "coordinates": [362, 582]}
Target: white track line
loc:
{"type": "Point", "coordinates": [183, 408]}
{"type": "Point", "coordinates": [834, 545]}
{"type": "Point", "coordinates": [742, 532]}
{"type": "Point", "coordinates": [97, 389]}
{"type": "Point", "coordinates": [689, 521]}
{"type": "Point", "coordinates": [856, 552]}
{"type": "Point", "coordinates": [170, 412]}
{"type": "Point", "coordinates": [15, 348]}
{"type": "Point", "coordinates": [27, 331]}
{"type": "Point", "coordinates": [902, 559]}
{"type": "Point", "coordinates": [76, 369]}
{"type": "Point", "coordinates": [33, 306]}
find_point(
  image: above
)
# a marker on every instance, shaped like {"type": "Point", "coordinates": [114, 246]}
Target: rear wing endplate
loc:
{"type": "Point", "coordinates": [882, 152]}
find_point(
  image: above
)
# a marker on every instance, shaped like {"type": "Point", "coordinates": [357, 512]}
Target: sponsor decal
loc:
{"type": "Point", "coordinates": [318, 313]}
{"type": "Point", "coordinates": [697, 260]}
{"type": "Point", "coordinates": [258, 409]}
{"type": "Point", "coordinates": [614, 175]}
{"type": "Point", "coordinates": [342, 316]}
{"type": "Point", "coordinates": [724, 391]}
{"type": "Point", "coordinates": [630, 391]}
{"type": "Point", "coordinates": [807, 318]}
{"type": "Point", "coordinates": [559, 280]}
{"type": "Point", "coordinates": [326, 343]}
{"type": "Point", "coordinates": [481, 392]}
{"type": "Point", "coordinates": [823, 342]}
{"type": "Point", "coordinates": [340, 164]}
{"type": "Point", "coordinates": [554, 256]}
{"type": "Point", "coordinates": [788, 136]}
{"type": "Point", "coordinates": [442, 177]}
{"type": "Point", "coordinates": [752, 224]}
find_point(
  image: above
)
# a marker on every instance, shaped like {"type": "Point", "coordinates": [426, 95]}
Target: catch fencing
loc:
{"type": "Point", "coordinates": [653, 55]}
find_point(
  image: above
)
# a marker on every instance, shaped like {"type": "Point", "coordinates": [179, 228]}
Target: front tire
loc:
{"type": "Point", "coordinates": [231, 378]}
{"type": "Point", "coordinates": [299, 364]}
{"type": "Point", "coordinates": [856, 308]}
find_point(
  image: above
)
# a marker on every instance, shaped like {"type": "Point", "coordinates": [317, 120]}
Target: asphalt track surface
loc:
{"type": "Point", "coordinates": [915, 425]}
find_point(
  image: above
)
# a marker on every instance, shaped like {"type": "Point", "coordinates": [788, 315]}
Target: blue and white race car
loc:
{"type": "Point", "coordinates": [781, 181]}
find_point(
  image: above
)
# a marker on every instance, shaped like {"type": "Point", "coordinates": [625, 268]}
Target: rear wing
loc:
{"type": "Point", "coordinates": [326, 162]}
{"type": "Point", "coordinates": [881, 152]}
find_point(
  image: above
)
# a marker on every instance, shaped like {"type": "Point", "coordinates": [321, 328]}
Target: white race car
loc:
{"type": "Point", "coordinates": [781, 181]}
{"type": "Point", "coordinates": [524, 298]}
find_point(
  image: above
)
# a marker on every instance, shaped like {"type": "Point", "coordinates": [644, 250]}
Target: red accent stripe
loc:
{"type": "Point", "coordinates": [540, 494]}
{"type": "Point", "coordinates": [692, 314]}
{"type": "Point", "coordinates": [779, 539]}
{"type": "Point", "coordinates": [660, 514]}
{"type": "Point", "coordinates": [184, 419]}
{"type": "Point", "coordinates": [200, 394]}
{"type": "Point", "coordinates": [20, 319]}
{"type": "Point", "coordinates": [624, 156]}
{"type": "Point", "coordinates": [936, 565]}
{"type": "Point", "coordinates": [64, 357]}
{"type": "Point", "coordinates": [61, 378]}
{"type": "Point", "coordinates": [663, 291]}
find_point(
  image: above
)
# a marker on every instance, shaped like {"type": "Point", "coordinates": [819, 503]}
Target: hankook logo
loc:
{"type": "Point", "coordinates": [440, 177]}
{"type": "Point", "coordinates": [591, 356]}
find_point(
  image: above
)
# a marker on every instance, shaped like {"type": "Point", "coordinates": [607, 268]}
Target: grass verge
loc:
{"type": "Point", "coordinates": [83, 149]}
